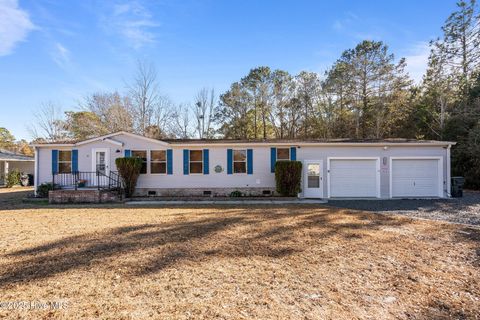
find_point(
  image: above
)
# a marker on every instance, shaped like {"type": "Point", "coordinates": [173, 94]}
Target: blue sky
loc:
{"type": "Point", "coordinates": [61, 50]}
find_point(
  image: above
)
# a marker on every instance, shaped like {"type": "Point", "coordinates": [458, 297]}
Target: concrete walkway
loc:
{"type": "Point", "coordinates": [220, 202]}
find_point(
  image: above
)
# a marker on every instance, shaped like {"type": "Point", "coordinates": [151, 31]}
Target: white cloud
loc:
{"type": "Point", "coordinates": [417, 60]}
{"type": "Point", "coordinates": [357, 28]}
{"type": "Point", "coordinates": [15, 25]}
{"type": "Point", "coordinates": [61, 55]}
{"type": "Point", "coordinates": [133, 22]}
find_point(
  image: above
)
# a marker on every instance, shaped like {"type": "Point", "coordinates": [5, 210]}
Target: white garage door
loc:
{"type": "Point", "coordinates": [354, 178]}
{"type": "Point", "coordinates": [415, 178]}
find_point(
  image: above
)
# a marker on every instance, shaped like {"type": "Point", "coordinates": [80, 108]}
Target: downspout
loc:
{"type": "Point", "coordinates": [35, 178]}
{"type": "Point", "coordinates": [448, 172]}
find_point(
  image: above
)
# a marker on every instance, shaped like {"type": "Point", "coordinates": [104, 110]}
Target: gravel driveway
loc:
{"type": "Point", "coordinates": [460, 210]}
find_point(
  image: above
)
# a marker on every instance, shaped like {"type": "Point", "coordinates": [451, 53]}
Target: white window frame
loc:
{"type": "Point", "coordinates": [146, 158]}
{"type": "Point", "coordinates": [196, 161]}
{"type": "Point", "coordinates": [233, 161]}
{"type": "Point", "coordinates": [440, 173]}
{"type": "Point", "coordinates": [289, 154]}
{"type": "Point", "coordinates": [62, 161]}
{"type": "Point", "coordinates": [150, 161]}
{"type": "Point", "coordinates": [354, 158]}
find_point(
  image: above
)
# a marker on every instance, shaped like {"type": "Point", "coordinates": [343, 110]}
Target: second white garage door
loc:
{"type": "Point", "coordinates": [354, 178]}
{"type": "Point", "coordinates": [416, 178]}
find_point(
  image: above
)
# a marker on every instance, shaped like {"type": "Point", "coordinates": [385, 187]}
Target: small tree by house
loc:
{"type": "Point", "coordinates": [129, 170]}
{"type": "Point", "coordinates": [13, 178]}
{"type": "Point", "coordinates": [288, 175]}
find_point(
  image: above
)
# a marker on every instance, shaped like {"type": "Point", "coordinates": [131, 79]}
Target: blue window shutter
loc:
{"type": "Point", "coordinates": [249, 161]}
{"type": "Point", "coordinates": [128, 153]}
{"type": "Point", "coordinates": [169, 161]}
{"type": "Point", "coordinates": [205, 162]}
{"type": "Point", "coordinates": [75, 160]}
{"type": "Point", "coordinates": [54, 161]}
{"type": "Point", "coordinates": [273, 158]}
{"type": "Point", "coordinates": [293, 153]}
{"type": "Point", "coordinates": [186, 158]}
{"type": "Point", "coordinates": [229, 161]}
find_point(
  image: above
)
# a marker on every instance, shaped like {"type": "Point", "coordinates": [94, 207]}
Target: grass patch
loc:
{"type": "Point", "coordinates": [236, 262]}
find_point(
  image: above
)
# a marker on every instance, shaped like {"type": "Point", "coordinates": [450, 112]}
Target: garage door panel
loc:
{"type": "Point", "coordinates": [353, 178]}
{"type": "Point", "coordinates": [415, 177]}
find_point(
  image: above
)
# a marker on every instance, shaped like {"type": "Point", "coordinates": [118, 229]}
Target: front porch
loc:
{"type": "Point", "coordinates": [86, 187]}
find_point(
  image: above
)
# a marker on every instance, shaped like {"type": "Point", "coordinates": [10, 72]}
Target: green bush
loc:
{"type": "Point", "coordinates": [42, 190]}
{"type": "Point", "coordinates": [13, 178]}
{"type": "Point", "coordinates": [129, 170]}
{"type": "Point", "coordinates": [236, 194]}
{"type": "Point", "coordinates": [288, 175]}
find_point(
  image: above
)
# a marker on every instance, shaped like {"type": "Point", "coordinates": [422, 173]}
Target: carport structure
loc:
{"type": "Point", "coordinates": [10, 160]}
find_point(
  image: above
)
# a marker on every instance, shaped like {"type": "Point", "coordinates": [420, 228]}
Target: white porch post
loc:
{"type": "Point", "coordinates": [35, 172]}
{"type": "Point", "coordinates": [5, 171]}
{"type": "Point", "coordinates": [449, 167]}
{"type": "Point", "coordinates": [2, 166]}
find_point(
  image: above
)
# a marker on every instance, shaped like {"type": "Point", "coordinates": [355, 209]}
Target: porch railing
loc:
{"type": "Point", "coordinates": [83, 179]}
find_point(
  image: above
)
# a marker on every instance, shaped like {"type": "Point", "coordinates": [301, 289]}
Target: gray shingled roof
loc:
{"type": "Point", "coordinates": [6, 155]}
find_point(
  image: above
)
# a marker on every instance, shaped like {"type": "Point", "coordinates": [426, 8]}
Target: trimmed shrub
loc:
{"type": "Point", "coordinates": [236, 194]}
{"type": "Point", "coordinates": [129, 170]}
{"type": "Point", "coordinates": [288, 175]}
{"type": "Point", "coordinates": [42, 190]}
{"type": "Point", "coordinates": [13, 178]}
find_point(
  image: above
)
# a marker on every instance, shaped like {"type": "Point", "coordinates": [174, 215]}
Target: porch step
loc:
{"type": "Point", "coordinates": [84, 196]}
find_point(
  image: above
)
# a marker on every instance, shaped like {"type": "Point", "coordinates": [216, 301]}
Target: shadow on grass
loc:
{"type": "Point", "coordinates": [245, 232]}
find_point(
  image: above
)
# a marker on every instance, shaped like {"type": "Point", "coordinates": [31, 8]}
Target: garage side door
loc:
{"type": "Point", "coordinates": [353, 178]}
{"type": "Point", "coordinates": [415, 177]}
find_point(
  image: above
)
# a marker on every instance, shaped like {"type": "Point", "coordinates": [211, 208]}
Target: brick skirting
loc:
{"type": "Point", "coordinates": [83, 196]}
{"type": "Point", "coordinates": [203, 192]}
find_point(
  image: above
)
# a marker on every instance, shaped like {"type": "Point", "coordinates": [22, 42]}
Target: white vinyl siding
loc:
{"type": "Point", "coordinates": [415, 178]}
{"type": "Point", "coordinates": [354, 178]}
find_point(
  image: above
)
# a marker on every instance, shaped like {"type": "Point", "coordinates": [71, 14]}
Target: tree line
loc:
{"type": "Point", "coordinates": [365, 94]}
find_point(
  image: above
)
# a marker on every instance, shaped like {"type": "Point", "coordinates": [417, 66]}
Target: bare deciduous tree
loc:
{"type": "Point", "coordinates": [114, 110]}
{"type": "Point", "coordinates": [180, 124]}
{"type": "Point", "coordinates": [144, 94]}
{"type": "Point", "coordinates": [203, 110]}
{"type": "Point", "coordinates": [49, 124]}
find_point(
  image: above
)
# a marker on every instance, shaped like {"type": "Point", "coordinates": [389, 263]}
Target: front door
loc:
{"type": "Point", "coordinates": [313, 181]}
{"type": "Point", "coordinates": [100, 165]}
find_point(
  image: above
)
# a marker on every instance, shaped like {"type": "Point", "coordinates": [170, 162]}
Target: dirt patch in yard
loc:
{"type": "Point", "coordinates": [265, 262]}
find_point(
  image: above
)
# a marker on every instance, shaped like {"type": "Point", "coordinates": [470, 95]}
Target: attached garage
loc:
{"type": "Point", "coordinates": [354, 177]}
{"type": "Point", "coordinates": [416, 177]}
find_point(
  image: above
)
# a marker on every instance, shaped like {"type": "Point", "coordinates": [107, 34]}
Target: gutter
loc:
{"type": "Point", "coordinates": [306, 144]}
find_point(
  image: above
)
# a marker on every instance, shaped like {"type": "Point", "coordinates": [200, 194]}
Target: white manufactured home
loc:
{"type": "Point", "coordinates": [383, 169]}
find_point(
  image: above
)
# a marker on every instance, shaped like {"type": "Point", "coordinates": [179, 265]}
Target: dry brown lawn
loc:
{"type": "Point", "coordinates": [259, 262]}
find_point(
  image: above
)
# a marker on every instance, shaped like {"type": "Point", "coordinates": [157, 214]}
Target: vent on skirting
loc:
{"type": "Point", "coordinates": [207, 192]}
{"type": "Point", "coordinates": [152, 193]}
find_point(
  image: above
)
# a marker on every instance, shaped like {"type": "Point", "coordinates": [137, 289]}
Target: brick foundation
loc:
{"type": "Point", "coordinates": [83, 196]}
{"type": "Point", "coordinates": [200, 192]}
